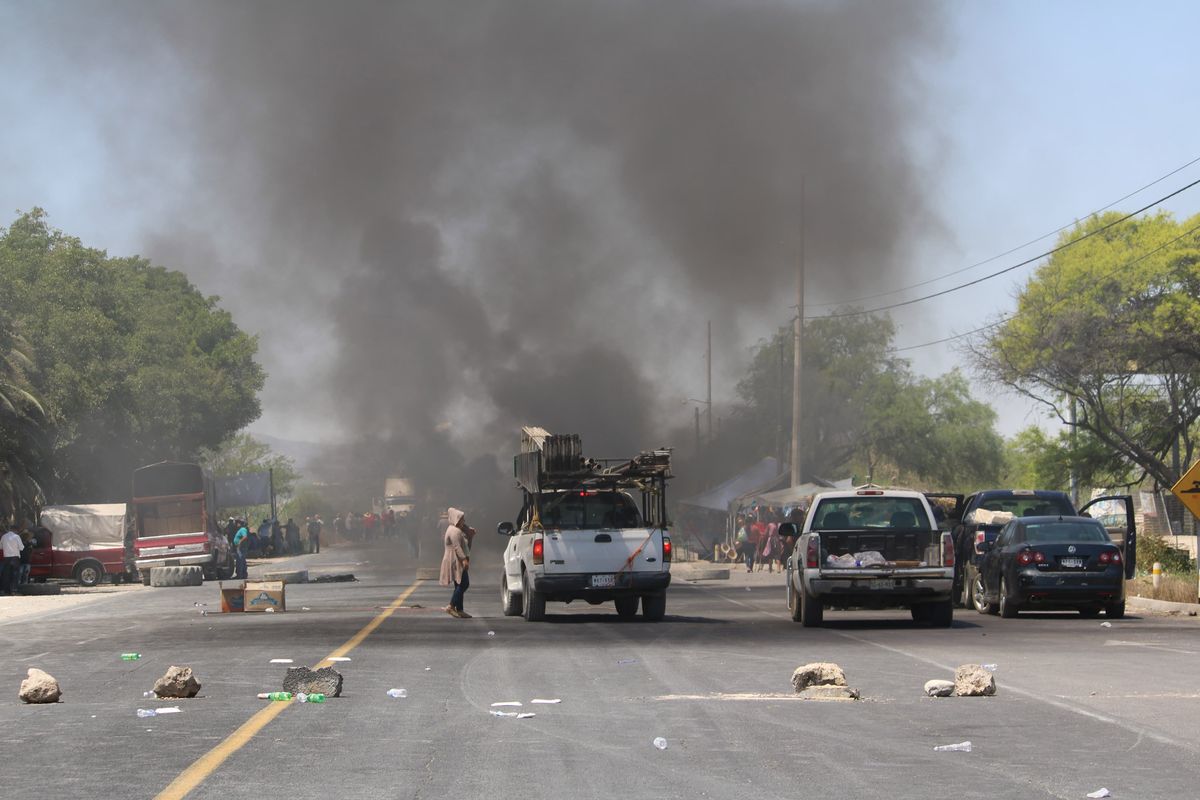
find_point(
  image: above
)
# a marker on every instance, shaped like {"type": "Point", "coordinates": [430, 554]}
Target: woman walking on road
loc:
{"type": "Point", "coordinates": [456, 560]}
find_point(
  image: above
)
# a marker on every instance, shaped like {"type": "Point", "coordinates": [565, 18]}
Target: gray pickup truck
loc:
{"type": "Point", "coordinates": [871, 548]}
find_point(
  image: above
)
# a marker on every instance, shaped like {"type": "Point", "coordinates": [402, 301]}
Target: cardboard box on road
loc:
{"type": "Point", "coordinates": [233, 596]}
{"type": "Point", "coordinates": [261, 595]}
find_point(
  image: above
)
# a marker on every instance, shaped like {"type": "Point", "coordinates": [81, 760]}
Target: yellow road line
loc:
{"type": "Point", "coordinates": [208, 763]}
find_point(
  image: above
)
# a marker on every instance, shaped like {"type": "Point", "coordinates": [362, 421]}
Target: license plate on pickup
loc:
{"type": "Point", "coordinates": [604, 581]}
{"type": "Point", "coordinates": [1071, 563]}
{"type": "Point", "coordinates": [881, 583]}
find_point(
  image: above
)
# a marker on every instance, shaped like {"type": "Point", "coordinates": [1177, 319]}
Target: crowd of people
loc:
{"type": "Point", "coordinates": [758, 543]}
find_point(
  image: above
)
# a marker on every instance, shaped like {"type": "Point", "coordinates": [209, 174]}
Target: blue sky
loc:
{"type": "Point", "coordinates": [1044, 112]}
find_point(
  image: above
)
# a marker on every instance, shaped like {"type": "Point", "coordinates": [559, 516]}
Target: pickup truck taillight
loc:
{"type": "Point", "coordinates": [812, 555]}
{"type": "Point", "coordinates": [947, 550]}
{"type": "Point", "coordinates": [539, 551]}
{"type": "Point", "coordinates": [980, 538]}
{"type": "Point", "coordinates": [666, 549]}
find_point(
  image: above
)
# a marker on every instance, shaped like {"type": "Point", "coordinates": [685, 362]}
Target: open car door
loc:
{"type": "Point", "coordinates": [1115, 513]}
{"type": "Point", "coordinates": [948, 508]}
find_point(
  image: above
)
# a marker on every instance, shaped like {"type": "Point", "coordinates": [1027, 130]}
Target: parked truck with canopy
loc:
{"type": "Point", "coordinates": [84, 542]}
{"type": "Point", "coordinates": [174, 521]}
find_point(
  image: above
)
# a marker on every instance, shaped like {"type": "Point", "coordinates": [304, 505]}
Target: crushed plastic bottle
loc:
{"type": "Point", "coordinates": [146, 712]}
{"type": "Point", "coordinates": [990, 667]}
{"type": "Point", "coordinates": [275, 696]}
{"type": "Point", "coordinates": [660, 743]}
{"type": "Point", "coordinates": [397, 693]}
{"type": "Point", "coordinates": [1100, 793]}
{"type": "Point", "coordinates": [315, 697]}
{"type": "Point", "coordinates": [149, 694]}
{"type": "Point", "coordinates": [130, 656]}
{"type": "Point", "coordinates": [526, 715]}
{"type": "Point", "coordinates": [1106, 624]}
{"type": "Point", "coordinates": [961, 747]}
{"type": "Point", "coordinates": [491, 633]}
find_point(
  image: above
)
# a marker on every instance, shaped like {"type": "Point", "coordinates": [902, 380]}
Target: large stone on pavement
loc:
{"type": "Point", "coordinates": [177, 682]}
{"type": "Point", "coordinates": [819, 673]}
{"type": "Point", "coordinates": [939, 688]}
{"type": "Point", "coordinates": [972, 680]}
{"type": "Point", "coordinates": [828, 692]}
{"type": "Point", "coordinates": [39, 687]}
{"type": "Point", "coordinates": [326, 681]}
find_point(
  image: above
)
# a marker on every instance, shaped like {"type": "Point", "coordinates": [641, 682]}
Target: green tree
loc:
{"type": "Point", "coordinates": [133, 364]}
{"type": "Point", "coordinates": [864, 411]}
{"type": "Point", "coordinates": [242, 453]}
{"type": "Point", "coordinates": [23, 455]}
{"type": "Point", "coordinates": [1112, 324]}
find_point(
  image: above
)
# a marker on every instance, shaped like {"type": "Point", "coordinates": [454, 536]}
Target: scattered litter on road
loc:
{"type": "Point", "coordinates": [491, 633]}
{"type": "Point", "coordinates": [130, 656]}
{"type": "Point", "coordinates": [168, 710]}
{"type": "Point", "coordinates": [990, 667]}
{"type": "Point", "coordinates": [149, 694]}
{"type": "Point", "coordinates": [199, 604]}
{"type": "Point", "coordinates": [939, 688]}
{"type": "Point", "coordinates": [315, 697]}
{"type": "Point", "coordinates": [507, 703]}
{"type": "Point", "coordinates": [1100, 793]}
{"type": "Point", "coordinates": [397, 692]}
{"type": "Point", "coordinates": [269, 610]}
{"type": "Point", "coordinates": [203, 613]}
{"type": "Point", "coordinates": [428, 668]}
{"type": "Point", "coordinates": [146, 712]}
{"type": "Point", "coordinates": [627, 661]}
{"type": "Point", "coordinates": [660, 743]}
{"type": "Point", "coordinates": [1105, 624]}
{"type": "Point", "coordinates": [338, 658]}
{"type": "Point", "coordinates": [504, 713]}
{"type": "Point", "coordinates": [526, 715]}
{"type": "Point", "coordinates": [961, 747]}
{"type": "Point", "coordinates": [274, 695]}
{"type": "Point", "coordinates": [747, 588]}
{"type": "Point", "coordinates": [281, 661]}
{"type": "Point", "coordinates": [540, 702]}
{"type": "Point", "coordinates": [305, 608]}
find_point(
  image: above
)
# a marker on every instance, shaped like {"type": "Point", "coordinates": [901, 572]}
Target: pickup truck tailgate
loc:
{"type": "Point", "coordinates": [603, 550]}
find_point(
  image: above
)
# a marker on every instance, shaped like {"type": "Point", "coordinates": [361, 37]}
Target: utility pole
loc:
{"type": "Point", "coordinates": [708, 403]}
{"type": "Point", "coordinates": [697, 409]}
{"type": "Point", "coordinates": [798, 350]}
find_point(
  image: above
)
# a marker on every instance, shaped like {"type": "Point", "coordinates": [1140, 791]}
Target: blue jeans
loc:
{"type": "Point", "coordinates": [460, 589]}
{"type": "Point", "coordinates": [8, 575]}
{"type": "Point", "coordinates": [239, 560]}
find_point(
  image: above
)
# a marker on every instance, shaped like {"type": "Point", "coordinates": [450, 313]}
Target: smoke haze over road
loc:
{"type": "Point", "coordinates": [447, 220]}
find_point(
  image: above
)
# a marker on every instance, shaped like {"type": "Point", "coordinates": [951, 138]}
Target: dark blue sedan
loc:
{"type": "Point", "coordinates": [1051, 563]}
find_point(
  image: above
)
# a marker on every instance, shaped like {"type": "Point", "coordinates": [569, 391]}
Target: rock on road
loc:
{"type": "Point", "coordinates": [1078, 707]}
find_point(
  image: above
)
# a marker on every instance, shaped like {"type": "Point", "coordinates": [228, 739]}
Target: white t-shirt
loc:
{"type": "Point", "coordinates": [11, 544]}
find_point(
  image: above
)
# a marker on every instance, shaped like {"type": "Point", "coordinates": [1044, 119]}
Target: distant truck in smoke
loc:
{"type": "Point", "coordinates": [588, 529]}
{"type": "Point", "coordinates": [398, 496]}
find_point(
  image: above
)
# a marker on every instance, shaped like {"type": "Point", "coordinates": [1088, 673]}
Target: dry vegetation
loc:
{"type": "Point", "coordinates": [1175, 588]}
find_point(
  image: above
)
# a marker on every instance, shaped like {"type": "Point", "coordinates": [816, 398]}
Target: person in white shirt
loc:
{"type": "Point", "coordinates": [10, 547]}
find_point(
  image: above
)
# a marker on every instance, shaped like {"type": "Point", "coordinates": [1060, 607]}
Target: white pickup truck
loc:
{"type": "Point", "coordinates": [871, 548]}
{"type": "Point", "coordinates": [582, 533]}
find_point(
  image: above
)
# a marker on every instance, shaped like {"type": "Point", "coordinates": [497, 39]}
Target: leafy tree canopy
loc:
{"type": "Point", "coordinates": [132, 363]}
{"type": "Point", "coordinates": [1113, 323]}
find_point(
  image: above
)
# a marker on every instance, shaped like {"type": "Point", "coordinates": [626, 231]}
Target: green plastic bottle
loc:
{"type": "Point", "coordinates": [276, 696]}
{"type": "Point", "coordinates": [130, 656]}
{"type": "Point", "coordinates": [312, 698]}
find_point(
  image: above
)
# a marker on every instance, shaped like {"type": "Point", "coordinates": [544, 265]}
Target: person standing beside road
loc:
{"type": "Point", "coordinates": [456, 561]}
{"type": "Point", "coordinates": [314, 534]}
{"type": "Point", "coordinates": [10, 548]}
{"type": "Point", "coordinates": [264, 536]}
{"type": "Point", "coordinates": [758, 538]}
{"type": "Point", "coordinates": [293, 537]}
{"type": "Point", "coordinates": [241, 543]}
{"type": "Point", "coordinates": [26, 557]}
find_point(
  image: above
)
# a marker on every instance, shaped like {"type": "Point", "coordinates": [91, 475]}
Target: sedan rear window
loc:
{"type": "Point", "coordinates": [1055, 532]}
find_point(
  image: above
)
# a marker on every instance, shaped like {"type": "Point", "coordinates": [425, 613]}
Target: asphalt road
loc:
{"type": "Point", "coordinates": [1079, 706]}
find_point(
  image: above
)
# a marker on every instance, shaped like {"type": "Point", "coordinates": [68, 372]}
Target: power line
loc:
{"type": "Point", "coordinates": [1019, 247]}
{"type": "Point", "coordinates": [1018, 265]}
{"type": "Point", "coordinates": [1002, 320]}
